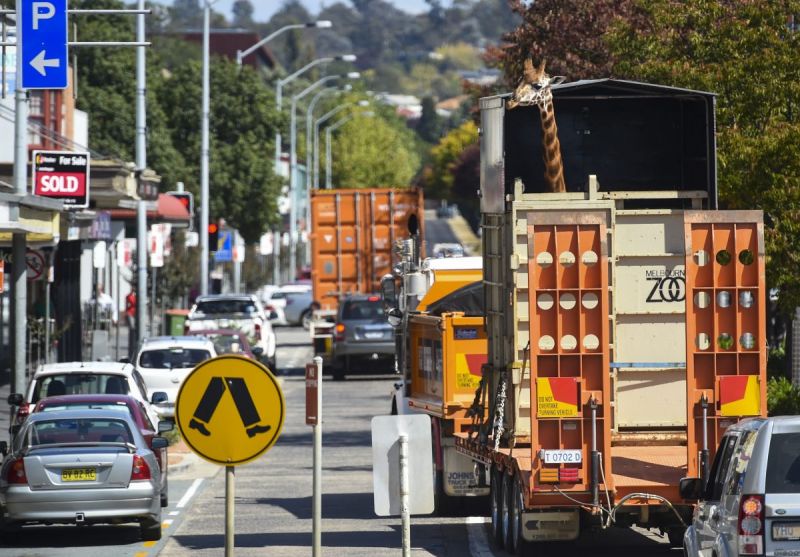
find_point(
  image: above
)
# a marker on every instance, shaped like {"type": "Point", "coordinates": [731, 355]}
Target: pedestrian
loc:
{"type": "Point", "coordinates": [130, 310]}
{"type": "Point", "coordinates": [105, 303]}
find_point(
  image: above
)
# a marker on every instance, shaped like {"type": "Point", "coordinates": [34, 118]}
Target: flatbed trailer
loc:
{"type": "Point", "coordinates": [625, 323]}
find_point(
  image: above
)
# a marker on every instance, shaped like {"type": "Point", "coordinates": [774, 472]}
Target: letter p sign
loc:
{"type": "Point", "coordinates": [42, 10]}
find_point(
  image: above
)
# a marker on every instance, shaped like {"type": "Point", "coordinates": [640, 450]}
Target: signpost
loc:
{"type": "Point", "coordinates": [230, 411]}
{"type": "Point", "coordinates": [62, 175]}
{"type": "Point", "coordinates": [224, 252]}
{"type": "Point", "coordinates": [313, 418]}
{"type": "Point", "coordinates": [43, 41]}
{"type": "Point", "coordinates": [401, 449]}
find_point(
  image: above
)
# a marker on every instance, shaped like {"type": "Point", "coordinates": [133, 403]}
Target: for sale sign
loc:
{"type": "Point", "coordinates": [62, 175]}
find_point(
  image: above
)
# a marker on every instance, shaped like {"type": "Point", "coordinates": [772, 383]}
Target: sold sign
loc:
{"type": "Point", "coordinates": [62, 175]}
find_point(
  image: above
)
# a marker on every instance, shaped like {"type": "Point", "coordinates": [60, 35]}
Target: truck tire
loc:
{"type": "Point", "coordinates": [675, 536]}
{"type": "Point", "coordinates": [496, 500]}
{"type": "Point", "coordinates": [516, 544]}
{"type": "Point", "coordinates": [507, 515]}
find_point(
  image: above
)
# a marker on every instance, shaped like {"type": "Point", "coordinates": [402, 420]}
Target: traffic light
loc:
{"type": "Point", "coordinates": [187, 200]}
{"type": "Point", "coordinates": [213, 234]}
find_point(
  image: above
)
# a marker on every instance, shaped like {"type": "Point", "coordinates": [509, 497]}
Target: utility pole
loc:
{"type": "Point", "coordinates": [141, 165]}
{"type": "Point", "coordinates": [204, 201]}
{"type": "Point", "coordinates": [18, 239]}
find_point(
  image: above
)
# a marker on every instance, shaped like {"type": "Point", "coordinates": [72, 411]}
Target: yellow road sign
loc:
{"type": "Point", "coordinates": [230, 410]}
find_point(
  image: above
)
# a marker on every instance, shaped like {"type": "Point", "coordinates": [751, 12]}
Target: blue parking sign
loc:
{"type": "Point", "coordinates": [224, 251]}
{"type": "Point", "coordinates": [43, 39]}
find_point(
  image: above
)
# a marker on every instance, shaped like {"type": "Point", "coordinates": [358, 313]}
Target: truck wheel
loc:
{"type": "Point", "coordinates": [497, 505]}
{"type": "Point", "coordinates": [515, 543]}
{"type": "Point", "coordinates": [675, 536]}
{"type": "Point", "coordinates": [507, 515]}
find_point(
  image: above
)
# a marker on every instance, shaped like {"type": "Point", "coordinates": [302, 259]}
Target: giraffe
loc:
{"type": "Point", "coordinates": [534, 88]}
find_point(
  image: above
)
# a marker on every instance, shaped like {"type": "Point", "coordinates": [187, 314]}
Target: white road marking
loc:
{"type": "Point", "coordinates": [174, 513]}
{"type": "Point", "coordinates": [476, 533]}
{"type": "Point", "coordinates": [167, 522]}
{"type": "Point", "coordinates": [189, 493]}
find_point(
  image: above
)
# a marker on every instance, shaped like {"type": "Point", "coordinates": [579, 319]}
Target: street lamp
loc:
{"type": "Point", "coordinates": [287, 79]}
{"type": "Point", "coordinates": [321, 121]}
{"type": "Point", "coordinates": [321, 24]}
{"type": "Point", "coordinates": [328, 132]}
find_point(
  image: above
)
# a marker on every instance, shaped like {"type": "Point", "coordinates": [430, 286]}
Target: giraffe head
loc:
{"type": "Point", "coordinates": [534, 88]}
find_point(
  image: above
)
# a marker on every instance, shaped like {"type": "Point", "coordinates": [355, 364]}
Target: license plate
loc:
{"type": "Point", "coordinates": [563, 456]}
{"type": "Point", "coordinates": [786, 531]}
{"type": "Point", "coordinates": [79, 475]}
{"type": "Point", "coordinates": [787, 553]}
{"type": "Point", "coordinates": [373, 335]}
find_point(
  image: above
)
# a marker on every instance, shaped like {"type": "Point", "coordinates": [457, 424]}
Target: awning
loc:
{"type": "Point", "coordinates": [168, 209]}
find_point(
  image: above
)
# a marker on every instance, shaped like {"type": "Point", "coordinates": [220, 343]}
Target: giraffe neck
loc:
{"type": "Point", "coordinates": [553, 165]}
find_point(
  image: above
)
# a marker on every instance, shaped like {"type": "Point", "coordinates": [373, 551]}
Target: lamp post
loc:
{"type": "Point", "coordinates": [205, 103]}
{"type": "Point", "coordinates": [240, 55]}
{"type": "Point", "coordinates": [325, 117]}
{"type": "Point", "coordinates": [321, 24]}
{"type": "Point", "coordinates": [293, 189]}
{"type": "Point", "coordinates": [328, 132]}
{"type": "Point", "coordinates": [287, 79]}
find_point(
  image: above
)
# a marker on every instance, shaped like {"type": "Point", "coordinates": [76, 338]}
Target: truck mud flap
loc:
{"type": "Point", "coordinates": [551, 525]}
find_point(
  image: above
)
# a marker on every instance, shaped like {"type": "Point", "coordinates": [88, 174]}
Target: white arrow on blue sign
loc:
{"type": "Point", "coordinates": [43, 36]}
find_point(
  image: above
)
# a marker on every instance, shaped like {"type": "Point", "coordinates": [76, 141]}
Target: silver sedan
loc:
{"type": "Point", "coordinates": [81, 467]}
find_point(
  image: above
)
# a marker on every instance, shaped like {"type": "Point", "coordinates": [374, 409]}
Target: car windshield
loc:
{"type": "Point", "coordinates": [226, 343]}
{"type": "Point", "coordinates": [84, 430]}
{"type": "Point", "coordinates": [80, 384]}
{"type": "Point", "coordinates": [172, 358]}
{"type": "Point", "coordinates": [220, 307]}
{"type": "Point", "coordinates": [84, 406]}
{"type": "Point", "coordinates": [783, 467]}
{"type": "Point", "coordinates": [354, 310]}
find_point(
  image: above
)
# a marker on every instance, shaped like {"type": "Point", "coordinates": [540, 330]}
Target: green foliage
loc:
{"type": "Point", "coordinates": [783, 398]}
{"type": "Point", "coordinates": [374, 152]}
{"type": "Point", "coordinates": [438, 176]}
{"type": "Point", "coordinates": [429, 126]}
{"type": "Point", "coordinates": [776, 362]}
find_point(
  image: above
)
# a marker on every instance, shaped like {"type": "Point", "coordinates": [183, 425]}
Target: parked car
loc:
{"type": "Point", "coordinates": [299, 308]}
{"type": "Point", "coordinates": [235, 311]}
{"type": "Point", "coordinates": [136, 410]}
{"type": "Point", "coordinates": [82, 378]}
{"type": "Point", "coordinates": [81, 467]}
{"type": "Point", "coordinates": [230, 341]}
{"type": "Point", "coordinates": [363, 339]}
{"type": "Point", "coordinates": [750, 504]}
{"type": "Point", "coordinates": [164, 362]}
{"type": "Point", "coordinates": [278, 299]}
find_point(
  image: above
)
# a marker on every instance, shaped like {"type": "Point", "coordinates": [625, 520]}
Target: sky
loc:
{"type": "Point", "coordinates": [265, 8]}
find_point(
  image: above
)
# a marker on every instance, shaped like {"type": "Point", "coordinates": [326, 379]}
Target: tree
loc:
{"type": "Point", "coordinates": [429, 127]}
{"type": "Point", "coordinates": [746, 52]}
{"type": "Point", "coordinates": [242, 13]}
{"type": "Point", "coordinates": [438, 177]}
{"type": "Point", "coordinates": [373, 153]}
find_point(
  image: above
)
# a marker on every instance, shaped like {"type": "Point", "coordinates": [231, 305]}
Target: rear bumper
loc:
{"type": "Point", "coordinates": [364, 349]}
{"type": "Point", "coordinates": [140, 500]}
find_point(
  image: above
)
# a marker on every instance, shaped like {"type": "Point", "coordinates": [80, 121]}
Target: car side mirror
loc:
{"type": "Point", "coordinates": [691, 489]}
{"type": "Point", "coordinates": [165, 426]}
{"type": "Point", "coordinates": [159, 443]}
{"type": "Point", "coordinates": [15, 399]}
{"type": "Point", "coordinates": [3, 448]}
{"type": "Point", "coordinates": [389, 291]}
{"type": "Point", "coordinates": [257, 351]}
{"type": "Point", "coordinates": [125, 360]}
{"type": "Point", "coordinates": [158, 397]}
{"type": "Point", "coordinates": [395, 317]}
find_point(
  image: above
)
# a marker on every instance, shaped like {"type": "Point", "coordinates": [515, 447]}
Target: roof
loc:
{"type": "Point", "coordinates": [616, 87]}
{"type": "Point", "coordinates": [175, 341]}
{"type": "Point", "coordinates": [96, 413]}
{"type": "Point", "coordinates": [85, 367]}
{"type": "Point", "coordinates": [212, 297]}
{"type": "Point", "coordinates": [452, 263]}
{"type": "Point", "coordinates": [226, 42]}
{"type": "Point", "coordinates": [96, 398]}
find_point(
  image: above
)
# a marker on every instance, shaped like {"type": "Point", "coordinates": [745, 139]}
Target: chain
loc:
{"type": "Point", "coordinates": [500, 413]}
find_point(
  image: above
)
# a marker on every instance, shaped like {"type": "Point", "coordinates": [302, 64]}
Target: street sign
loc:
{"type": "Point", "coordinates": [312, 386]}
{"type": "Point", "coordinates": [224, 251]}
{"type": "Point", "coordinates": [43, 39]}
{"type": "Point", "coordinates": [386, 435]}
{"type": "Point", "coordinates": [35, 264]}
{"type": "Point", "coordinates": [230, 410]}
{"type": "Point", "coordinates": [62, 175]}
{"type": "Point", "coordinates": [155, 243]}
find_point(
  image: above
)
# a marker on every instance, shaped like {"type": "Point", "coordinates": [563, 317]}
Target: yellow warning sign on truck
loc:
{"type": "Point", "coordinates": [230, 410]}
{"type": "Point", "coordinates": [556, 397]}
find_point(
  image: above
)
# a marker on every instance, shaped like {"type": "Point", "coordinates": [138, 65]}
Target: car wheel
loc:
{"type": "Point", "coordinates": [151, 530]}
{"type": "Point", "coordinates": [496, 498]}
{"type": "Point", "coordinates": [305, 320]}
{"type": "Point", "coordinates": [165, 495]}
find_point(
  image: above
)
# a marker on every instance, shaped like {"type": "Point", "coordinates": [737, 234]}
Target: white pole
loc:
{"type": "Point", "coordinates": [230, 496]}
{"type": "Point", "coordinates": [19, 240]}
{"type": "Point", "coordinates": [204, 201]}
{"type": "Point", "coordinates": [317, 495]}
{"type": "Point", "coordinates": [293, 191]}
{"type": "Point", "coordinates": [404, 503]}
{"type": "Point", "coordinates": [141, 165]}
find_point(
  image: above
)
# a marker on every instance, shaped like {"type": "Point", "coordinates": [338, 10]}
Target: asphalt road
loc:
{"type": "Point", "coordinates": [273, 495]}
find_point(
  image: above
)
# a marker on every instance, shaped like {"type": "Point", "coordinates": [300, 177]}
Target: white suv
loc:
{"type": "Point", "coordinates": [164, 363]}
{"type": "Point", "coordinates": [73, 378]}
{"type": "Point", "coordinates": [235, 311]}
{"type": "Point", "coordinates": [751, 502]}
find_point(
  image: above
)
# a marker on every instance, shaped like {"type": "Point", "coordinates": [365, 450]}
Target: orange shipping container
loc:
{"type": "Point", "coordinates": [352, 234]}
